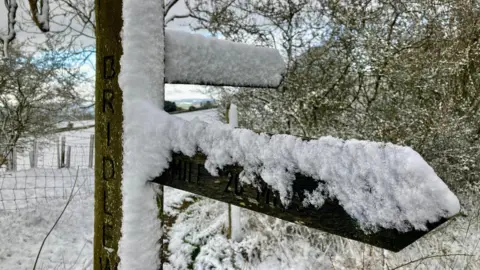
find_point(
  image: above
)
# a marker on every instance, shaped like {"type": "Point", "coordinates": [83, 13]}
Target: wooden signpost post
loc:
{"type": "Point", "coordinates": [205, 65]}
{"type": "Point", "coordinates": [108, 134]}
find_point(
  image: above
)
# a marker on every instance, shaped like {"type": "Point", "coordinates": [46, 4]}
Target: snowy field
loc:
{"type": "Point", "coordinates": [32, 199]}
{"type": "Point", "coordinates": [77, 124]}
{"type": "Point", "coordinates": [197, 236]}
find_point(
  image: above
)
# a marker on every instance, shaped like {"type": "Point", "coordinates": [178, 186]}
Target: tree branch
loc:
{"type": "Point", "coordinates": [12, 7]}
{"type": "Point", "coordinates": [430, 257]}
{"type": "Point", "coordinates": [170, 5]}
{"type": "Point", "coordinates": [171, 19]}
{"type": "Point", "coordinates": [40, 16]}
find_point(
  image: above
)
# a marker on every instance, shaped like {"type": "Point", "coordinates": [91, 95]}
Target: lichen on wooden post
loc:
{"type": "Point", "coordinates": [108, 134]}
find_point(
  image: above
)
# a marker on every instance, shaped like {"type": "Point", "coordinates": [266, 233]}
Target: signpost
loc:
{"type": "Point", "coordinates": [194, 59]}
{"type": "Point", "coordinates": [189, 174]}
{"type": "Point", "coordinates": [108, 134]}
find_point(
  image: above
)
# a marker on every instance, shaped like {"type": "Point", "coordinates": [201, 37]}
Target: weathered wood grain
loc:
{"type": "Point", "coordinates": [108, 135]}
{"type": "Point", "coordinates": [189, 174]}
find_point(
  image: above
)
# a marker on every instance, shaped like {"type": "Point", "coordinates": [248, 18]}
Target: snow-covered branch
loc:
{"type": "Point", "coordinates": [172, 18]}
{"type": "Point", "coordinates": [39, 10]}
{"type": "Point", "coordinates": [12, 7]}
{"type": "Point", "coordinates": [169, 6]}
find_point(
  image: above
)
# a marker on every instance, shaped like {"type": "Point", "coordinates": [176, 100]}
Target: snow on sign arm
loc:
{"type": "Point", "coordinates": [195, 59]}
{"type": "Point", "coordinates": [380, 186]}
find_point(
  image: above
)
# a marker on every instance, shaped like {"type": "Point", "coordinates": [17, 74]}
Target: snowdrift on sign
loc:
{"type": "Point", "coordinates": [379, 184]}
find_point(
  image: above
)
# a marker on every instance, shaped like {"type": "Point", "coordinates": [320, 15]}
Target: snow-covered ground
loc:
{"type": "Point", "coordinates": [32, 199]}
{"type": "Point", "coordinates": [76, 124]}
{"type": "Point", "coordinates": [197, 237]}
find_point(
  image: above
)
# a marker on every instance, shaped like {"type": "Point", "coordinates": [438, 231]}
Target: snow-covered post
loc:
{"type": "Point", "coordinates": [142, 81]}
{"type": "Point", "coordinates": [234, 226]}
{"type": "Point", "coordinates": [59, 161]}
{"type": "Point", "coordinates": [34, 156]}
{"type": "Point", "coordinates": [108, 134]}
{"type": "Point", "coordinates": [69, 157]}
{"type": "Point", "coordinates": [90, 151]}
{"type": "Point", "coordinates": [62, 152]}
{"type": "Point", "coordinates": [130, 55]}
{"type": "Point", "coordinates": [12, 160]}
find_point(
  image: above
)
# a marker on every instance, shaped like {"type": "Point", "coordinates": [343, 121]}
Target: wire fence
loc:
{"type": "Point", "coordinates": [46, 170]}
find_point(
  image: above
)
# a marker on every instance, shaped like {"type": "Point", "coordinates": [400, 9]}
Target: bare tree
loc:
{"type": "Point", "coordinates": [399, 71]}
{"type": "Point", "coordinates": [70, 22]}
{"type": "Point", "coordinates": [12, 7]}
{"type": "Point", "coordinates": [36, 90]}
{"type": "Point", "coordinates": [39, 12]}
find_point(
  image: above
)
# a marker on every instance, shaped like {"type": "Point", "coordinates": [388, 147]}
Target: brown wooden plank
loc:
{"type": "Point", "coordinates": [189, 174]}
{"type": "Point", "coordinates": [108, 135]}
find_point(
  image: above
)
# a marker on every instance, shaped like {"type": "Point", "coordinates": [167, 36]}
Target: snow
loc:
{"type": "Point", "coordinates": [69, 246]}
{"type": "Point", "coordinates": [233, 116]}
{"type": "Point", "coordinates": [195, 59]}
{"type": "Point", "coordinates": [82, 123]}
{"type": "Point", "coordinates": [235, 211]}
{"type": "Point", "coordinates": [40, 195]}
{"type": "Point", "coordinates": [208, 116]}
{"type": "Point", "coordinates": [267, 243]}
{"type": "Point", "coordinates": [43, 17]}
{"type": "Point", "coordinates": [141, 78]}
{"type": "Point", "coordinates": [270, 243]}
{"type": "Point", "coordinates": [25, 188]}
{"type": "Point", "coordinates": [378, 184]}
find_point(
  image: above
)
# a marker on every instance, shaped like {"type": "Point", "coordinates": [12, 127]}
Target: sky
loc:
{"type": "Point", "coordinates": [172, 92]}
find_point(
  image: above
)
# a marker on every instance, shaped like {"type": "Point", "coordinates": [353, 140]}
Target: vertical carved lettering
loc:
{"type": "Point", "coordinates": [107, 264]}
{"type": "Point", "coordinates": [107, 100]}
{"type": "Point", "coordinates": [184, 170]}
{"type": "Point", "coordinates": [108, 133]}
{"type": "Point", "coordinates": [230, 180]}
{"type": "Point", "coordinates": [180, 170]}
{"type": "Point", "coordinates": [238, 187]}
{"type": "Point", "coordinates": [108, 168]}
{"type": "Point", "coordinates": [197, 173]}
{"type": "Point", "coordinates": [188, 169]}
{"type": "Point", "coordinates": [108, 67]}
{"type": "Point", "coordinates": [108, 157]}
{"type": "Point", "coordinates": [107, 235]}
{"type": "Point", "coordinates": [263, 193]}
{"type": "Point", "coordinates": [275, 197]}
{"type": "Point", "coordinates": [175, 170]}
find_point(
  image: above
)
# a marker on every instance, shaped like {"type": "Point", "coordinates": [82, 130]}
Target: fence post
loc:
{"type": "Point", "coordinates": [62, 154]}
{"type": "Point", "coordinates": [69, 155]}
{"type": "Point", "coordinates": [234, 227]}
{"type": "Point", "coordinates": [59, 162]}
{"type": "Point", "coordinates": [14, 158]}
{"type": "Point", "coordinates": [32, 163]}
{"type": "Point", "coordinates": [90, 151]}
{"type": "Point", "coordinates": [34, 156]}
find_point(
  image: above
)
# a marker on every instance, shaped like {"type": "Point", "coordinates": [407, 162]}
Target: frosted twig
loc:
{"type": "Point", "coordinates": [56, 222]}
{"type": "Point", "coordinates": [431, 257]}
